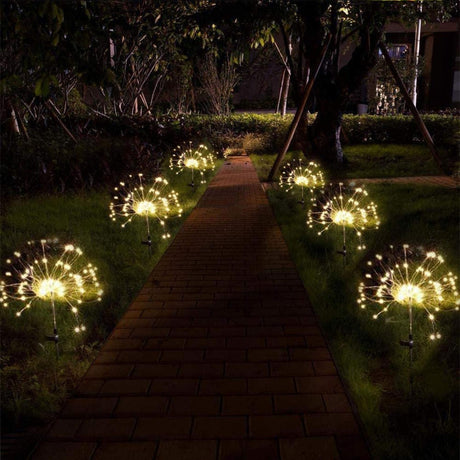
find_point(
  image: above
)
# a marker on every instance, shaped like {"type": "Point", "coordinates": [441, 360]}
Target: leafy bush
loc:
{"type": "Point", "coordinates": [400, 129]}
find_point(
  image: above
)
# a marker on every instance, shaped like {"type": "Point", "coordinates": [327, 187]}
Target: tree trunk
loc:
{"type": "Point", "coordinates": [326, 131]}
{"type": "Point", "coordinates": [284, 95]}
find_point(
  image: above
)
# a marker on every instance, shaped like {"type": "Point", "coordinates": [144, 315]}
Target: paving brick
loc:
{"type": "Point", "coordinates": [291, 369]}
{"type": "Point", "coordinates": [324, 384]}
{"type": "Point", "coordinates": [268, 354]}
{"type": "Point", "coordinates": [167, 343]}
{"type": "Point", "coordinates": [325, 368]}
{"type": "Point", "coordinates": [298, 404]}
{"type": "Point", "coordinates": [174, 387]}
{"type": "Point", "coordinates": [226, 386]}
{"type": "Point", "coordinates": [149, 332]}
{"type": "Point", "coordinates": [225, 355]}
{"type": "Point", "coordinates": [64, 429]}
{"type": "Point", "coordinates": [275, 426]}
{"type": "Point", "coordinates": [205, 370]}
{"type": "Point", "coordinates": [250, 449]}
{"type": "Point", "coordinates": [163, 428]}
{"type": "Point", "coordinates": [155, 370]}
{"type": "Point", "coordinates": [117, 429]}
{"type": "Point", "coordinates": [137, 406]}
{"type": "Point", "coordinates": [125, 387]}
{"type": "Point", "coordinates": [92, 407]}
{"type": "Point", "coordinates": [219, 427]}
{"type": "Point", "coordinates": [64, 450]}
{"type": "Point", "coordinates": [309, 354]}
{"type": "Point", "coordinates": [106, 357]}
{"type": "Point", "coordinates": [318, 448]}
{"type": "Point", "coordinates": [331, 424]}
{"type": "Point", "coordinates": [336, 402]}
{"type": "Point", "coordinates": [187, 450]}
{"type": "Point", "coordinates": [194, 405]}
{"type": "Point", "coordinates": [107, 371]}
{"type": "Point", "coordinates": [123, 344]}
{"type": "Point", "coordinates": [143, 356]}
{"type": "Point", "coordinates": [271, 385]}
{"type": "Point", "coordinates": [246, 342]}
{"type": "Point", "coordinates": [125, 451]}
{"type": "Point", "coordinates": [246, 369]}
{"type": "Point", "coordinates": [283, 342]}
{"type": "Point", "coordinates": [205, 342]}
{"type": "Point", "coordinates": [245, 405]}
{"type": "Point", "coordinates": [179, 356]}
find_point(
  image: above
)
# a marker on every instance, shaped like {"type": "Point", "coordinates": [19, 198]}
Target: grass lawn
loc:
{"type": "Point", "coordinates": [367, 352]}
{"type": "Point", "coordinates": [28, 363]}
{"type": "Point", "coordinates": [371, 160]}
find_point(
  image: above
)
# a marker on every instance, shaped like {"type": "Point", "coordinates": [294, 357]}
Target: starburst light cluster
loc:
{"type": "Point", "coordinates": [410, 281]}
{"type": "Point", "coordinates": [48, 273]}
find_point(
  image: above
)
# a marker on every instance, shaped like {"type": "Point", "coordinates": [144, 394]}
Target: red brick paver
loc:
{"type": "Point", "coordinates": [219, 356]}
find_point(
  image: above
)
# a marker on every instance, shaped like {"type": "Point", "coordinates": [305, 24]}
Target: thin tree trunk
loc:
{"type": "Point", "coordinates": [284, 96]}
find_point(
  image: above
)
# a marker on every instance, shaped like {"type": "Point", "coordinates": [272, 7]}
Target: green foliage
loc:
{"type": "Point", "coordinates": [400, 129]}
{"type": "Point", "coordinates": [367, 352]}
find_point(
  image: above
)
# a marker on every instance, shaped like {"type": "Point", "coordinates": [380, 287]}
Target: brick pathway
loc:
{"type": "Point", "coordinates": [219, 357]}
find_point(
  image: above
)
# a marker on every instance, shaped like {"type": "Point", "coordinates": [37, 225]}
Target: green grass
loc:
{"type": "Point", "coordinates": [28, 361]}
{"type": "Point", "coordinates": [370, 161]}
{"type": "Point", "coordinates": [367, 352]}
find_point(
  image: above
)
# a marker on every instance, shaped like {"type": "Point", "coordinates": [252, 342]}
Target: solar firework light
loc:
{"type": "Point", "coordinates": [195, 159]}
{"type": "Point", "coordinates": [133, 199]}
{"type": "Point", "coordinates": [409, 280]}
{"type": "Point", "coordinates": [296, 175]}
{"type": "Point", "coordinates": [344, 208]}
{"type": "Point", "coordinates": [49, 273]}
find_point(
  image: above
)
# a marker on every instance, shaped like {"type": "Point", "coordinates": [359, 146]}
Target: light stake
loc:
{"type": "Point", "coordinates": [346, 209]}
{"type": "Point", "coordinates": [400, 281]}
{"type": "Point", "coordinates": [133, 199]}
{"type": "Point", "coordinates": [294, 176]}
{"type": "Point", "coordinates": [198, 159]}
{"type": "Point", "coordinates": [50, 274]}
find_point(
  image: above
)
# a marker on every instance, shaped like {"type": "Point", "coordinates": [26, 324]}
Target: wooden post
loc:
{"type": "Point", "coordinates": [300, 109]}
{"type": "Point", "coordinates": [413, 109]}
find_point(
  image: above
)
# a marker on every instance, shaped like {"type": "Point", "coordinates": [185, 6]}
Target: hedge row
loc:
{"type": "Point", "coordinates": [109, 148]}
{"type": "Point", "coordinates": [358, 129]}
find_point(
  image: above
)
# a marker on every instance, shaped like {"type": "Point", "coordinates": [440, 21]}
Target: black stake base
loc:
{"type": "Point", "coordinates": [192, 184]}
{"type": "Point", "coordinates": [343, 253]}
{"type": "Point", "coordinates": [407, 343]}
{"type": "Point", "coordinates": [148, 242]}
